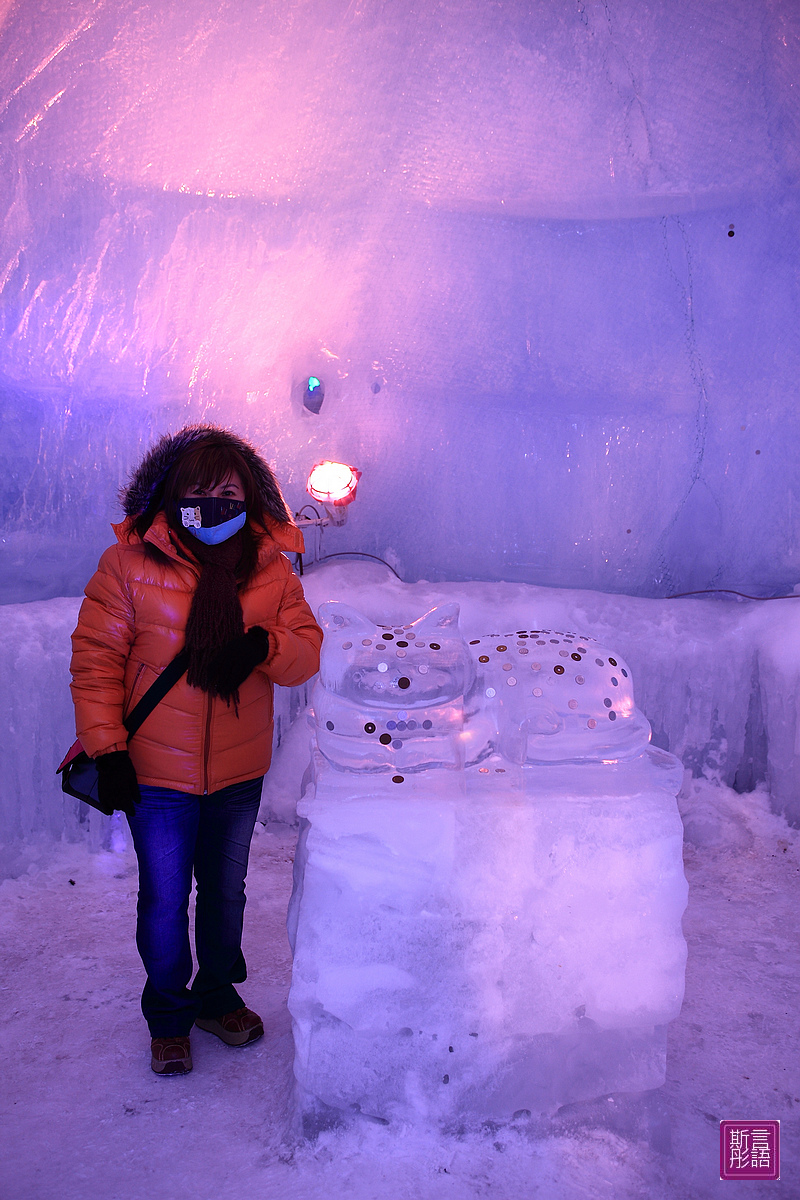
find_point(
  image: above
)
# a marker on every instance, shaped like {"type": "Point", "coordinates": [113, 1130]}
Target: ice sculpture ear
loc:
{"type": "Point", "coordinates": [445, 616]}
{"type": "Point", "coordinates": [333, 615]}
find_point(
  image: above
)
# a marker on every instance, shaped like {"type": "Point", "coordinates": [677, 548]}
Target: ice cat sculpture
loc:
{"type": "Point", "coordinates": [388, 698]}
{"type": "Point", "coordinates": [412, 697]}
{"type": "Point", "coordinates": [486, 918]}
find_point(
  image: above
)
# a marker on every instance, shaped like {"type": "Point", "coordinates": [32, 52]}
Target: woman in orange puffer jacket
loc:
{"type": "Point", "coordinates": [198, 565]}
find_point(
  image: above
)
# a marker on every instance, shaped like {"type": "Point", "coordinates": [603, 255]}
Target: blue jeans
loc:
{"type": "Point", "coordinates": [174, 834]}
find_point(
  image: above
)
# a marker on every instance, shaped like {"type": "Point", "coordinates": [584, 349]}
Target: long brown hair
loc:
{"type": "Point", "coordinates": [205, 466]}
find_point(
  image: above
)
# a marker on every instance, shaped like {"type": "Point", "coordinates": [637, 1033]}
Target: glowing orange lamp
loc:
{"type": "Point", "coordinates": [333, 484]}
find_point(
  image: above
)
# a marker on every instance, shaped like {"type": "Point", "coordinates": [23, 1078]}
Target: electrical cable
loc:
{"type": "Point", "coordinates": [298, 557]}
{"type": "Point", "coordinates": [360, 554]}
{"type": "Point", "coordinates": [314, 510]}
{"type": "Point", "coordinates": [732, 592]}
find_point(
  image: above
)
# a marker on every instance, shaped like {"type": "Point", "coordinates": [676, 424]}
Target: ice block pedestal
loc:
{"type": "Point", "coordinates": [486, 939]}
{"type": "Point", "coordinates": [468, 943]}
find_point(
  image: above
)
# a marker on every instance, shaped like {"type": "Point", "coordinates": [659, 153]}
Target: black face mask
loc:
{"type": "Point", "coordinates": [212, 519]}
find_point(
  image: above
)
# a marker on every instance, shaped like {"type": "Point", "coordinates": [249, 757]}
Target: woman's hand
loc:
{"type": "Point", "coordinates": [231, 665]}
{"type": "Point", "coordinates": [117, 786]}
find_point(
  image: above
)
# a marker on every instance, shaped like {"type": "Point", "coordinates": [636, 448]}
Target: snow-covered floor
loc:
{"type": "Point", "coordinates": [83, 1115]}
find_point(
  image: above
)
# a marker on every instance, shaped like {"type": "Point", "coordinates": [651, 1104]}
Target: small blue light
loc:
{"type": "Point", "coordinates": [314, 394]}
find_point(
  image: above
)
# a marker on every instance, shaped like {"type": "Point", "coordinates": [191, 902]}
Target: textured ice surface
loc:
{"type": "Point", "coordinates": [553, 695]}
{"type": "Point", "coordinates": [392, 696]}
{"type": "Point", "coordinates": [489, 881]}
{"type": "Point", "coordinates": [499, 233]}
{"type": "Point", "coordinates": [488, 940]}
{"type": "Point", "coordinates": [718, 680]}
{"type": "Point", "coordinates": [418, 696]}
{"type": "Point", "coordinates": [372, 669]}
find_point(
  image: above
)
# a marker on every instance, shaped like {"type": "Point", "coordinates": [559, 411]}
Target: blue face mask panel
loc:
{"type": "Point", "coordinates": [220, 533]}
{"type": "Point", "coordinates": [212, 519]}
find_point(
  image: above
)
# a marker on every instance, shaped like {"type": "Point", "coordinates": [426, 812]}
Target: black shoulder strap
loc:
{"type": "Point", "coordinates": [156, 692]}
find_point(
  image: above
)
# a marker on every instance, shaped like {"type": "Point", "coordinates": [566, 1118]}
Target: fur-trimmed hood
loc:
{"type": "Point", "coordinates": [156, 465]}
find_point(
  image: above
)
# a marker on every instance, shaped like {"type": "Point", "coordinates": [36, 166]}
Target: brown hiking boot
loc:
{"type": "Point", "coordinates": [235, 1028]}
{"type": "Point", "coordinates": [171, 1055]}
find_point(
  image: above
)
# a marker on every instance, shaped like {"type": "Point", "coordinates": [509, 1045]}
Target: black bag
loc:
{"type": "Point", "coordinates": [79, 772]}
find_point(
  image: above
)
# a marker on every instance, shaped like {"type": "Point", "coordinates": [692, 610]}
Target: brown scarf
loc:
{"type": "Point", "coordinates": [215, 617]}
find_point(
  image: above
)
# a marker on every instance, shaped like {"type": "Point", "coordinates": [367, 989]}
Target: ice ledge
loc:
{"type": "Point", "coordinates": [718, 679]}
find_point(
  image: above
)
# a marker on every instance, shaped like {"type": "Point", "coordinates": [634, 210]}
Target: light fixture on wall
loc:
{"type": "Point", "coordinates": [333, 482]}
{"type": "Point", "coordinates": [314, 394]}
{"type": "Point", "coordinates": [334, 485]}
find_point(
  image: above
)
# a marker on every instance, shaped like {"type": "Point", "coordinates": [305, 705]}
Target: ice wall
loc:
{"type": "Point", "coordinates": [500, 233]}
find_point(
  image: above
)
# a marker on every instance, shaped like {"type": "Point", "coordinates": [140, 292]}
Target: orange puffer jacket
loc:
{"type": "Point", "coordinates": [132, 624]}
